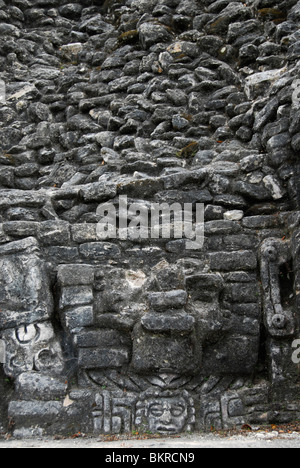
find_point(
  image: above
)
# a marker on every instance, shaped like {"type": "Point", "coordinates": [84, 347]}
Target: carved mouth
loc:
{"type": "Point", "coordinates": [166, 429]}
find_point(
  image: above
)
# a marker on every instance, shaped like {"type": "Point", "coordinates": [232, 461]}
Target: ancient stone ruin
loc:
{"type": "Point", "coordinates": [152, 102]}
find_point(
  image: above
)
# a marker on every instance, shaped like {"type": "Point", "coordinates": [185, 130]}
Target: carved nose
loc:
{"type": "Point", "coordinates": [166, 417]}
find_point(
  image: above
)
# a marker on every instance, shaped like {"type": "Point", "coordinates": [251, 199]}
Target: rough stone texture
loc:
{"type": "Point", "coordinates": [178, 101]}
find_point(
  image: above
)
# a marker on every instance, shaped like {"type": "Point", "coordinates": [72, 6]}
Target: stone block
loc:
{"type": "Point", "coordinates": [151, 33]}
{"type": "Point", "coordinates": [236, 354]}
{"type": "Point", "coordinates": [69, 275]}
{"type": "Point", "coordinates": [78, 317]}
{"type": "Point", "coordinates": [20, 228]}
{"type": "Point", "coordinates": [153, 353]}
{"type": "Point", "coordinates": [102, 358]}
{"type": "Point", "coordinates": [99, 250]}
{"type": "Point", "coordinates": [204, 287]}
{"type": "Point", "coordinates": [31, 385]}
{"type": "Point", "coordinates": [54, 233]}
{"type": "Point", "coordinates": [33, 412]}
{"type": "Point", "coordinates": [260, 222]}
{"type": "Point", "coordinates": [82, 233]}
{"type": "Point", "coordinates": [100, 338]}
{"type": "Point", "coordinates": [165, 300]}
{"type": "Point", "coordinates": [75, 295]}
{"type": "Point", "coordinates": [32, 347]}
{"type": "Point", "coordinates": [62, 254]}
{"type": "Point", "coordinates": [97, 192]}
{"type": "Point", "coordinates": [25, 295]}
{"type": "Point", "coordinates": [222, 227]}
{"type": "Point", "coordinates": [231, 261]}
{"type": "Point", "coordinates": [245, 292]}
{"type": "Point", "coordinates": [160, 323]}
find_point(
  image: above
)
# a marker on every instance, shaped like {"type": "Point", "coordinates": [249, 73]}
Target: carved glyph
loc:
{"type": "Point", "coordinates": [32, 347]}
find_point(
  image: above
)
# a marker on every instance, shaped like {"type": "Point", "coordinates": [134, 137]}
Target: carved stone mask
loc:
{"type": "Point", "coordinates": [167, 415]}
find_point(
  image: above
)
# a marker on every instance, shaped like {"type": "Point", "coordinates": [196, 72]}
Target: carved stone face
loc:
{"type": "Point", "coordinates": [167, 415]}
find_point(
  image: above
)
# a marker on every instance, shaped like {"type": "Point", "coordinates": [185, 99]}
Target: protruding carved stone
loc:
{"type": "Point", "coordinates": [32, 347]}
{"type": "Point", "coordinates": [165, 412]}
{"type": "Point", "coordinates": [25, 295]}
{"type": "Point", "coordinates": [278, 317]}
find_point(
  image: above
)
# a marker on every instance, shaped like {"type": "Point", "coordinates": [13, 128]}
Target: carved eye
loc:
{"type": "Point", "coordinates": [177, 410]}
{"type": "Point", "coordinates": [156, 411]}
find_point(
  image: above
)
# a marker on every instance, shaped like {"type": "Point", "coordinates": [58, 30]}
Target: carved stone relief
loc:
{"type": "Point", "coordinates": [278, 312]}
{"type": "Point", "coordinates": [32, 347]}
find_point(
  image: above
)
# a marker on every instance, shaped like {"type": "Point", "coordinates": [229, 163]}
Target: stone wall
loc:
{"type": "Point", "coordinates": [162, 102]}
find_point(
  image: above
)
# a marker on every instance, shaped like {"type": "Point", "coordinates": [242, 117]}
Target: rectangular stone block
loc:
{"type": "Point", "coordinates": [249, 310]}
{"type": "Point", "coordinates": [166, 300]}
{"type": "Point", "coordinates": [236, 354]}
{"type": "Point", "coordinates": [243, 292]}
{"type": "Point", "coordinates": [78, 317]}
{"type": "Point", "coordinates": [30, 412]}
{"type": "Point", "coordinates": [99, 338]}
{"type": "Point", "coordinates": [232, 261]}
{"type": "Point", "coordinates": [62, 254]}
{"type": "Point", "coordinates": [261, 222]}
{"type": "Point", "coordinates": [20, 228]}
{"type": "Point", "coordinates": [240, 241]}
{"type": "Point", "coordinates": [54, 233]}
{"type": "Point", "coordinates": [75, 296]}
{"type": "Point", "coordinates": [99, 250]}
{"type": "Point", "coordinates": [160, 323]}
{"type": "Point", "coordinates": [84, 233]}
{"type": "Point", "coordinates": [25, 294]}
{"type": "Point", "coordinates": [9, 198]}
{"type": "Point", "coordinates": [157, 352]}
{"type": "Point", "coordinates": [69, 275]}
{"type": "Point", "coordinates": [31, 385]}
{"type": "Point", "coordinates": [101, 358]}
{"type": "Point", "coordinates": [222, 227]}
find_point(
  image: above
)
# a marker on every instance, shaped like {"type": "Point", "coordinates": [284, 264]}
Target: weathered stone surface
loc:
{"type": "Point", "coordinates": [165, 300]}
{"type": "Point", "coordinates": [41, 387]}
{"type": "Point", "coordinates": [25, 284]}
{"type": "Point", "coordinates": [227, 261]}
{"type": "Point", "coordinates": [167, 322]}
{"type": "Point", "coordinates": [69, 275]}
{"type": "Point", "coordinates": [32, 347]}
{"type": "Point", "coordinates": [99, 250]}
{"type": "Point", "coordinates": [151, 33]}
{"type": "Point", "coordinates": [102, 358]}
{"type": "Point", "coordinates": [119, 106]}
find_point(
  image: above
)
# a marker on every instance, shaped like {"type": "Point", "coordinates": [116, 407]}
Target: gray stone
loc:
{"type": "Point", "coordinates": [258, 83]}
{"type": "Point", "coordinates": [75, 295]}
{"type": "Point", "coordinates": [227, 261]}
{"type": "Point", "coordinates": [25, 284]}
{"type": "Point", "coordinates": [99, 250]}
{"type": "Point", "coordinates": [174, 101]}
{"type": "Point", "coordinates": [102, 358]}
{"type": "Point", "coordinates": [171, 299]}
{"type": "Point", "coordinates": [69, 275]}
{"type": "Point", "coordinates": [54, 233]}
{"type": "Point", "coordinates": [22, 411]}
{"type": "Point", "coordinates": [158, 323]}
{"type": "Point", "coordinates": [78, 317]}
{"type": "Point", "coordinates": [234, 215]}
{"type": "Point", "coordinates": [296, 142]}
{"type": "Point", "coordinates": [31, 385]}
{"type": "Point", "coordinates": [151, 33]}
{"type": "Point", "coordinates": [98, 192]}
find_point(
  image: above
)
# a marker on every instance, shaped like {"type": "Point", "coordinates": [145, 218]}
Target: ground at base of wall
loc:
{"type": "Point", "coordinates": [265, 436]}
{"type": "Point", "coordinates": [286, 436]}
